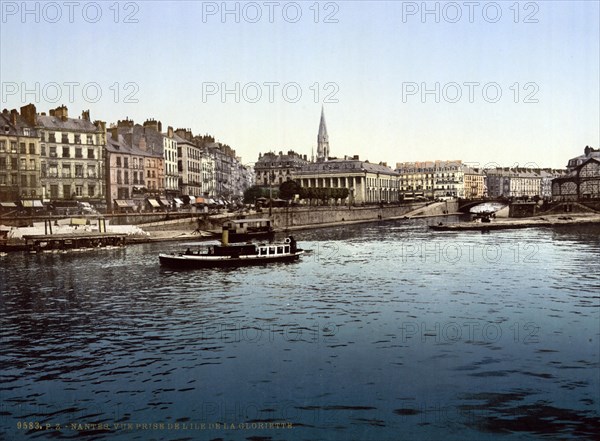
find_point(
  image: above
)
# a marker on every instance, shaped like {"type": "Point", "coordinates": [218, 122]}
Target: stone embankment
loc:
{"type": "Point", "coordinates": [510, 223]}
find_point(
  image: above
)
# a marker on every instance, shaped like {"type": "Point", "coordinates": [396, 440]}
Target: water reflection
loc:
{"type": "Point", "coordinates": [384, 329]}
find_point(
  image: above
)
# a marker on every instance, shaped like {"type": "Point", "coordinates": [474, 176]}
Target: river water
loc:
{"type": "Point", "coordinates": [384, 331]}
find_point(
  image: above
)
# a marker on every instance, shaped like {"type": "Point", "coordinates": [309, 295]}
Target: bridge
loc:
{"type": "Point", "coordinates": [465, 205]}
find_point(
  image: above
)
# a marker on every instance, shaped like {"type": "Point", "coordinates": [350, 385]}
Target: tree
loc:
{"type": "Point", "coordinates": [288, 189]}
{"type": "Point", "coordinates": [252, 193]}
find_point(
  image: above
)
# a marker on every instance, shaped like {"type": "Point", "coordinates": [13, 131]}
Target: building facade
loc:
{"type": "Point", "coordinates": [366, 182]}
{"type": "Point", "coordinates": [72, 155]}
{"type": "Point", "coordinates": [433, 179]}
{"type": "Point", "coordinates": [581, 183]}
{"type": "Point", "coordinates": [20, 159]}
{"type": "Point", "coordinates": [273, 169]}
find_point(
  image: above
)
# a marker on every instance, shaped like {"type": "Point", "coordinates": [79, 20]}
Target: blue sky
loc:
{"type": "Point", "coordinates": [367, 59]}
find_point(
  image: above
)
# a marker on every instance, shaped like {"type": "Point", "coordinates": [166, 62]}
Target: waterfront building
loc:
{"type": "Point", "coordinates": [19, 160]}
{"type": "Point", "coordinates": [71, 154]}
{"type": "Point", "coordinates": [164, 143]}
{"type": "Point", "coordinates": [135, 168]}
{"type": "Point", "coordinates": [474, 183]}
{"type": "Point", "coordinates": [366, 182]}
{"type": "Point", "coordinates": [581, 183]}
{"type": "Point", "coordinates": [435, 179]}
{"type": "Point", "coordinates": [189, 163]}
{"type": "Point", "coordinates": [275, 169]}
{"type": "Point", "coordinates": [513, 183]}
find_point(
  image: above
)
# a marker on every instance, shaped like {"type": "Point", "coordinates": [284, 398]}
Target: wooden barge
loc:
{"type": "Point", "coordinates": [48, 243]}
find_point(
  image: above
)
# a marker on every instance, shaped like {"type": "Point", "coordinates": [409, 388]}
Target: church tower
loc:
{"type": "Point", "coordinates": [322, 139]}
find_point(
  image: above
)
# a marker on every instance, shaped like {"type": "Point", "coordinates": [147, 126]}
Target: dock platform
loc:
{"type": "Point", "coordinates": [72, 241]}
{"type": "Point", "coordinates": [511, 223]}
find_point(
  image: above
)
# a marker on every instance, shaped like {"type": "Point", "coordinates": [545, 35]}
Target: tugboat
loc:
{"type": "Point", "coordinates": [226, 256]}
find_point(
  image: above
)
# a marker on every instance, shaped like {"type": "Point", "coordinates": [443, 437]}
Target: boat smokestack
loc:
{"type": "Point", "coordinates": [225, 238]}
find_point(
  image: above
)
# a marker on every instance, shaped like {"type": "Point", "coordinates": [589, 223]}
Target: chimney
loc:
{"type": "Point", "coordinates": [151, 124]}
{"type": "Point", "coordinates": [170, 132]}
{"type": "Point", "coordinates": [85, 115]}
{"type": "Point", "coordinates": [13, 117]}
{"type": "Point", "coordinates": [142, 144]}
{"type": "Point", "coordinates": [114, 133]}
{"type": "Point", "coordinates": [51, 112]}
{"type": "Point", "coordinates": [355, 157]}
{"type": "Point", "coordinates": [304, 157]}
{"type": "Point", "coordinates": [159, 127]}
{"type": "Point", "coordinates": [128, 123]}
{"type": "Point", "coordinates": [61, 112]}
{"type": "Point", "coordinates": [29, 114]}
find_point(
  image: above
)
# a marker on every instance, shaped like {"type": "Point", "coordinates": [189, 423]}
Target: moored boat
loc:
{"type": "Point", "coordinates": [234, 255]}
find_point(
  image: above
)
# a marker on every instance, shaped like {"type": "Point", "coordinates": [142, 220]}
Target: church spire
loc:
{"type": "Point", "coordinates": [322, 139]}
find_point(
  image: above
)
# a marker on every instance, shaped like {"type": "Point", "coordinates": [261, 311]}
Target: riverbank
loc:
{"type": "Point", "coordinates": [511, 223]}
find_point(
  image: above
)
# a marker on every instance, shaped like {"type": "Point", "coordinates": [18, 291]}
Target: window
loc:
{"type": "Point", "coordinates": [65, 152]}
{"type": "Point", "coordinates": [13, 163]}
{"type": "Point", "coordinates": [66, 171]}
{"type": "Point", "coordinates": [90, 139]}
{"type": "Point", "coordinates": [53, 151]}
{"type": "Point", "coordinates": [118, 161]}
{"type": "Point", "coordinates": [32, 164]}
{"type": "Point", "coordinates": [66, 191]}
{"type": "Point", "coordinates": [126, 162]}
{"type": "Point", "coordinates": [263, 251]}
{"type": "Point", "coordinates": [43, 136]}
{"type": "Point", "coordinates": [2, 163]}
{"type": "Point", "coordinates": [2, 146]}
{"type": "Point", "coordinates": [13, 147]}
{"type": "Point", "coordinates": [126, 177]}
{"type": "Point", "coordinates": [54, 191]}
{"type": "Point", "coordinates": [119, 180]}
{"type": "Point", "coordinates": [279, 250]}
{"type": "Point", "coordinates": [79, 190]}
{"type": "Point", "coordinates": [77, 138]}
{"type": "Point", "coordinates": [78, 153]}
{"type": "Point", "coordinates": [14, 179]}
{"type": "Point", "coordinates": [52, 137]}
{"type": "Point", "coordinates": [23, 180]}
{"type": "Point", "coordinates": [22, 148]}
{"type": "Point", "coordinates": [53, 172]}
{"type": "Point", "coordinates": [91, 190]}
{"type": "Point", "coordinates": [31, 148]}
{"type": "Point", "coordinates": [65, 138]}
{"type": "Point", "coordinates": [90, 154]}
{"type": "Point", "coordinates": [78, 171]}
{"type": "Point", "coordinates": [91, 171]}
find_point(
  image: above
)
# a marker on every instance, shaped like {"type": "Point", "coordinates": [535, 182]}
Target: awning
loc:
{"type": "Point", "coordinates": [178, 201]}
{"type": "Point", "coordinates": [130, 203]}
{"type": "Point", "coordinates": [200, 200]}
{"type": "Point", "coordinates": [154, 203]}
{"type": "Point", "coordinates": [165, 202]}
{"type": "Point", "coordinates": [33, 204]}
{"type": "Point", "coordinates": [211, 201]}
{"type": "Point", "coordinates": [8, 205]}
{"type": "Point", "coordinates": [121, 203]}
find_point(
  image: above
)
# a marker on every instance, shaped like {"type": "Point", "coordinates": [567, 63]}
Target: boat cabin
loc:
{"type": "Point", "coordinates": [242, 226]}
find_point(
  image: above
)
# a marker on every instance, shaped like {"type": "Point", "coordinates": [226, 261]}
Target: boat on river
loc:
{"type": "Point", "coordinates": [226, 255]}
{"type": "Point", "coordinates": [243, 230]}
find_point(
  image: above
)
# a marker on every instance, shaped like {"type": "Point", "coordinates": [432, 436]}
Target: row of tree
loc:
{"type": "Point", "coordinates": [289, 189]}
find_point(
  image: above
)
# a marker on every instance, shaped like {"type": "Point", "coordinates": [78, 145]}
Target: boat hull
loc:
{"type": "Point", "coordinates": [185, 261]}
